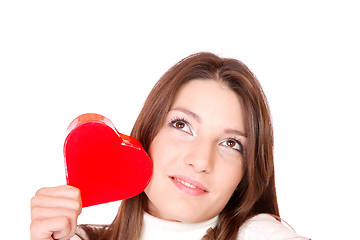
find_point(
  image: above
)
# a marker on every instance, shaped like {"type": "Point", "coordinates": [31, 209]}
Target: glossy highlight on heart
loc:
{"type": "Point", "coordinates": [104, 164]}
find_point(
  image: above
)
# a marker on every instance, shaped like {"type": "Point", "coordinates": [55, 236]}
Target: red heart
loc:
{"type": "Point", "coordinates": [103, 163]}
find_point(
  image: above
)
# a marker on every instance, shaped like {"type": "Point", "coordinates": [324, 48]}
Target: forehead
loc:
{"type": "Point", "coordinates": [211, 99]}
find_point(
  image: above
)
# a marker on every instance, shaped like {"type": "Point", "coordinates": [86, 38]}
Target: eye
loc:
{"type": "Point", "coordinates": [233, 144]}
{"type": "Point", "coordinates": [181, 125]}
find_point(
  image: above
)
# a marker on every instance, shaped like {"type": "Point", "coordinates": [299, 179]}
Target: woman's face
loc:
{"type": "Point", "coordinates": [197, 154]}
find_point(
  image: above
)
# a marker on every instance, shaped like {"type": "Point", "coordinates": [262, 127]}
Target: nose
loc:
{"type": "Point", "coordinates": [201, 157]}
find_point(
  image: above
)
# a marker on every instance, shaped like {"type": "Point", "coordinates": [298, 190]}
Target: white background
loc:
{"type": "Point", "coordinates": [59, 59]}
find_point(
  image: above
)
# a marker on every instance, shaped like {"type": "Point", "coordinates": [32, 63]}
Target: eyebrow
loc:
{"type": "Point", "coordinates": [233, 131]}
{"type": "Point", "coordinates": [188, 112]}
{"type": "Point", "coordinates": [198, 119]}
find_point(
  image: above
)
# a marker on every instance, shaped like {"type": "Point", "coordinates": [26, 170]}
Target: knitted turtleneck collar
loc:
{"type": "Point", "coordinates": [158, 229]}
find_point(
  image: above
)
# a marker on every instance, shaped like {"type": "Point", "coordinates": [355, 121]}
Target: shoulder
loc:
{"type": "Point", "coordinates": [265, 226]}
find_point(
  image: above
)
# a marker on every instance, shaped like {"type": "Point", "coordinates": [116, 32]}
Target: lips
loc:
{"type": "Point", "coordinates": [189, 185]}
{"type": "Point", "coordinates": [186, 183]}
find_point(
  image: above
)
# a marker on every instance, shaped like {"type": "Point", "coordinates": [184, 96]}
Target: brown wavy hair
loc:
{"type": "Point", "coordinates": [255, 193]}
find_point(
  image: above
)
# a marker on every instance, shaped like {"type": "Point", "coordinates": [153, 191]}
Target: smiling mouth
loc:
{"type": "Point", "coordinates": [188, 184]}
{"type": "Point", "coordinates": [185, 183]}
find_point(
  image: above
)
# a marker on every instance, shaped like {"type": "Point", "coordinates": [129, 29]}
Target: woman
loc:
{"type": "Point", "coordinates": [207, 128]}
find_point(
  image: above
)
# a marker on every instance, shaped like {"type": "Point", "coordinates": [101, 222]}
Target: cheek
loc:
{"type": "Point", "coordinates": [163, 150]}
{"type": "Point", "coordinates": [162, 157]}
{"type": "Point", "coordinates": [158, 153]}
{"type": "Point", "coordinates": [155, 150]}
{"type": "Point", "coordinates": [232, 175]}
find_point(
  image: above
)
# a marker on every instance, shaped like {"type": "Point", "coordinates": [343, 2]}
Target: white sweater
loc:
{"type": "Point", "coordinates": [263, 226]}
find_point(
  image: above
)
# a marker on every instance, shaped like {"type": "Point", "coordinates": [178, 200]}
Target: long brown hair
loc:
{"type": "Point", "coordinates": [255, 193]}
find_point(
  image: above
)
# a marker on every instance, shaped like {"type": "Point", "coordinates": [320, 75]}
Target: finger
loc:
{"type": "Point", "coordinates": [52, 228]}
{"type": "Point", "coordinates": [51, 213]}
{"type": "Point", "coordinates": [64, 191]}
{"type": "Point", "coordinates": [56, 202]}
{"type": "Point", "coordinates": [39, 213]}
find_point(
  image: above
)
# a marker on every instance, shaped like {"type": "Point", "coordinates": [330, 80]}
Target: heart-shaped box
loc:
{"type": "Point", "coordinates": [104, 164]}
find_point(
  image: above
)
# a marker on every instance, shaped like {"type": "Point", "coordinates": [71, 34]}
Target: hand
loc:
{"type": "Point", "coordinates": [54, 213]}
